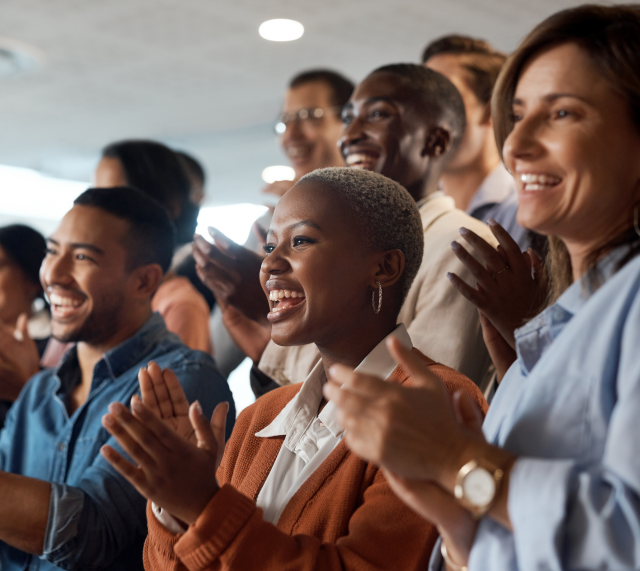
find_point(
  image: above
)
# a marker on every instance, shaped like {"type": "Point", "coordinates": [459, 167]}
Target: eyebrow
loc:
{"type": "Point", "coordinates": [371, 100]}
{"type": "Point", "coordinates": [80, 246]}
{"type": "Point", "coordinates": [300, 224]}
{"type": "Point", "coordinates": [554, 97]}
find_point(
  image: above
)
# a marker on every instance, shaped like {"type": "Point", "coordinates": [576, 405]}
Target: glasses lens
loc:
{"type": "Point", "coordinates": [279, 128]}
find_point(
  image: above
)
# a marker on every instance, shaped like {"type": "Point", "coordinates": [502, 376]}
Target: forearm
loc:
{"type": "Point", "coordinates": [24, 511]}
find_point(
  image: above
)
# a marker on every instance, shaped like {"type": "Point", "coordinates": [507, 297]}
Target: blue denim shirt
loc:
{"type": "Point", "coordinates": [569, 408]}
{"type": "Point", "coordinates": [96, 518]}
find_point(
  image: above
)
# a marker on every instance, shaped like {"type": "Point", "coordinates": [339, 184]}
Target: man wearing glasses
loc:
{"type": "Point", "coordinates": [309, 128]}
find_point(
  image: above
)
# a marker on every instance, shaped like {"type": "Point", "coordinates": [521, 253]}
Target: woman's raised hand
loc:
{"type": "Point", "coordinates": [511, 285]}
{"type": "Point", "coordinates": [163, 394]}
{"type": "Point", "coordinates": [169, 470]}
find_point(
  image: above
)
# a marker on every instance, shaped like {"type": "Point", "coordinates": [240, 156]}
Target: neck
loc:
{"type": "Point", "coordinates": [356, 342]}
{"type": "Point", "coordinates": [90, 353]}
{"type": "Point", "coordinates": [461, 184]}
{"type": "Point", "coordinates": [425, 186]}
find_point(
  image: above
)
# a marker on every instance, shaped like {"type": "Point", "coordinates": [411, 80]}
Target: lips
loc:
{"type": "Point", "coordinates": [64, 304]}
{"type": "Point", "coordinates": [299, 152]}
{"type": "Point", "coordinates": [533, 182]}
{"type": "Point", "coordinates": [361, 159]}
{"type": "Point", "coordinates": [283, 300]}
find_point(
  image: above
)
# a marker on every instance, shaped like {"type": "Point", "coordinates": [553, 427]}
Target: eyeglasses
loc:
{"type": "Point", "coordinates": [311, 114]}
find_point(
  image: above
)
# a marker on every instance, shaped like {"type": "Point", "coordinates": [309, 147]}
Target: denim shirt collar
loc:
{"type": "Point", "coordinates": [534, 338]}
{"type": "Point", "coordinates": [117, 360]}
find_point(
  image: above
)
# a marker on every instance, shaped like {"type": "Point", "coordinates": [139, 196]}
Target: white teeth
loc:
{"type": "Point", "coordinates": [64, 301]}
{"type": "Point", "coordinates": [358, 158]}
{"type": "Point", "coordinates": [539, 179]}
{"type": "Point", "coordinates": [278, 294]}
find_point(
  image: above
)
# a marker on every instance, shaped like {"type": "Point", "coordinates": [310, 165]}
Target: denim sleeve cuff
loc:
{"type": "Point", "coordinates": [65, 509]}
{"type": "Point", "coordinates": [538, 497]}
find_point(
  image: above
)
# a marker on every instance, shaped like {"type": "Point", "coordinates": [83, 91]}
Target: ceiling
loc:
{"type": "Point", "coordinates": [196, 75]}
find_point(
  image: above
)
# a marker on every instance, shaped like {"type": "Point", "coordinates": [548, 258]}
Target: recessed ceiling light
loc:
{"type": "Point", "coordinates": [281, 30]}
{"type": "Point", "coordinates": [277, 172]}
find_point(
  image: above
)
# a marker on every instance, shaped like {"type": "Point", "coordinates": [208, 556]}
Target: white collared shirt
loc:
{"type": "Point", "coordinates": [310, 437]}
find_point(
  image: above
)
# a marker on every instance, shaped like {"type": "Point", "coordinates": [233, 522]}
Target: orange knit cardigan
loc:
{"type": "Point", "coordinates": [344, 517]}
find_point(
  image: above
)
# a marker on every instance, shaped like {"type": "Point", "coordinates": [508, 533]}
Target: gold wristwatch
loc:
{"type": "Point", "coordinates": [477, 485]}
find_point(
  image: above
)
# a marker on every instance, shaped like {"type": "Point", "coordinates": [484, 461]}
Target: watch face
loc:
{"type": "Point", "coordinates": [479, 487]}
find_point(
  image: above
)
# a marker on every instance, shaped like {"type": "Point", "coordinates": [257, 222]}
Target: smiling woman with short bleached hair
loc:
{"type": "Point", "coordinates": [288, 493]}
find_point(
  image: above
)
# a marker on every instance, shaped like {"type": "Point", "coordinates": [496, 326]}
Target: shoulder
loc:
{"type": "Point", "coordinates": [453, 380]}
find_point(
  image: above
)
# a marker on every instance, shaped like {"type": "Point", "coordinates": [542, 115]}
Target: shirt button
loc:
{"type": "Point", "coordinates": [61, 446]}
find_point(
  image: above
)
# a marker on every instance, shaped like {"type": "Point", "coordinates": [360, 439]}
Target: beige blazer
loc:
{"type": "Point", "coordinates": [441, 323]}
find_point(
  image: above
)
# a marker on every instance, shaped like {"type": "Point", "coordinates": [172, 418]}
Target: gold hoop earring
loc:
{"type": "Point", "coordinates": [636, 220]}
{"type": "Point", "coordinates": [373, 299]}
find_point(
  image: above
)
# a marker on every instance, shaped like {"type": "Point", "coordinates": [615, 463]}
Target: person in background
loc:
{"type": "Point", "coordinates": [405, 122]}
{"type": "Point", "coordinates": [288, 494]}
{"type": "Point", "coordinates": [62, 505]}
{"type": "Point", "coordinates": [552, 480]}
{"type": "Point", "coordinates": [156, 170]}
{"type": "Point", "coordinates": [183, 263]}
{"type": "Point", "coordinates": [475, 177]}
{"type": "Point", "coordinates": [308, 128]}
{"type": "Point", "coordinates": [24, 327]}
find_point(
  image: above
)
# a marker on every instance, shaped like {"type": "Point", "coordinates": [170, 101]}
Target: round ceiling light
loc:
{"type": "Point", "coordinates": [281, 30]}
{"type": "Point", "coordinates": [277, 172]}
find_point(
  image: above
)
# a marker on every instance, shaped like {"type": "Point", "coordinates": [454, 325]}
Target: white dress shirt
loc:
{"type": "Point", "coordinates": [310, 437]}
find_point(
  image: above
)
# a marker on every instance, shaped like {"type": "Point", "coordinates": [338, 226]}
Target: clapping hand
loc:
{"type": "Point", "coordinates": [511, 285]}
{"type": "Point", "coordinates": [232, 273]}
{"type": "Point", "coordinates": [171, 471]}
{"type": "Point", "coordinates": [19, 358]}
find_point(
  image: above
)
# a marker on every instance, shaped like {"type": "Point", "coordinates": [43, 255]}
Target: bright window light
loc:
{"type": "Point", "coordinates": [280, 30]}
{"type": "Point", "coordinates": [234, 220]}
{"type": "Point", "coordinates": [26, 193]}
{"type": "Point", "coordinates": [277, 172]}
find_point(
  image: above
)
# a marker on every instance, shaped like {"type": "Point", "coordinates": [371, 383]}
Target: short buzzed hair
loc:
{"type": "Point", "coordinates": [481, 60]}
{"type": "Point", "coordinates": [440, 99]}
{"type": "Point", "coordinates": [385, 211]}
{"type": "Point", "coordinates": [151, 235]}
{"type": "Point", "coordinates": [341, 87]}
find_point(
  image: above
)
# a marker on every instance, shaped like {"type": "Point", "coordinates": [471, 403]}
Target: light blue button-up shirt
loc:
{"type": "Point", "coordinates": [96, 518]}
{"type": "Point", "coordinates": [569, 408]}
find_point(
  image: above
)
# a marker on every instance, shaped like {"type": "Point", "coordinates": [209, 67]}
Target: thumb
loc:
{"type": "Point", "coordinates": [21, 333]}
{"type": "Point", "coordinates": [467, 412]}
{"type": "Point", "coordinates": [260, 233]}
{"type": "Point", "coordinates": [205, 438]}
{"type": "Point", "coordinates": [219, 427]}
{"type": "Point", "coordinates": [413, 365]}
{"type": "Point", "coordinates": [222, 242]}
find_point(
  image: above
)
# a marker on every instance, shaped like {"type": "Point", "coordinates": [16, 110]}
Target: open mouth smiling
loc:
{"type": "Point", "coordinates": [63, 305]}
{"type": "Point", "coordinates": [282, 302]}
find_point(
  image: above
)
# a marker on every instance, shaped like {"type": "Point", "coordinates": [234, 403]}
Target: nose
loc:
{"type": "Point", "coordinates": [55, 270]}
{"type": "Point", "coordinates": [292, 132]}
{"type": "Point", "coordinates": [353, 133]}
{"type": "Point", "coordinates": [523, 142]}
{"type": "Point", "coordinates": [275, 263]}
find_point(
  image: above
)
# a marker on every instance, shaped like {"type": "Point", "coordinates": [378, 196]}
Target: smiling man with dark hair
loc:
{"type": "Point", "coordinates": [61, 502]}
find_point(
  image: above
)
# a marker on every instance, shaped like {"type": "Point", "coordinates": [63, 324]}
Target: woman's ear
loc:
{"type": "Point", "coordinates": [390, 268]}
{"type": "Point", "coordinates": [438, 142]}
{"type": "Point", "coordinates": [147, 279]}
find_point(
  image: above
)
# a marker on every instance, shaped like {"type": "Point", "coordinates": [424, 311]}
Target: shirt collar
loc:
{"type": "Point", "coordinates": [296, 417]}
{"type": "Point", "coordinates": [497, 186]}
{"type": "Point", "coordinates": [124, 356]}
{"type": "Point", "coordinates": [533, 338]}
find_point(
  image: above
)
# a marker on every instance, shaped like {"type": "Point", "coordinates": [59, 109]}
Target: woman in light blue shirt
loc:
{"type": "Point", "coordinates": [554, 481]}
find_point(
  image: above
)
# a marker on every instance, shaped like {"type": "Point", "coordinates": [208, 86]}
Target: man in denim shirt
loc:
{"type": "Point", "coordinates": [62, 505]}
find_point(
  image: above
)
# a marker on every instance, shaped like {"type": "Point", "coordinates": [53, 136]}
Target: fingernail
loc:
{"type": "Point", "coordinates": [492, 222]}
{"type": "Point", "coordinates": [136, 405]}
{"type": "Point", "coordinates": [198, 408]}
{"type": "Point", "coordinates": [106, 419]}
{"type": "Point", "coordinates": [455, 245]}
{"type": "Point", "coordinates": [463, 231]}
{"type": "Point", "coordinates": [449, 276]}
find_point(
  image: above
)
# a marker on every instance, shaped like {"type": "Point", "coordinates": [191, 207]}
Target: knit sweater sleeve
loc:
{"type": "Point", "coordinates": [232, 534]}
